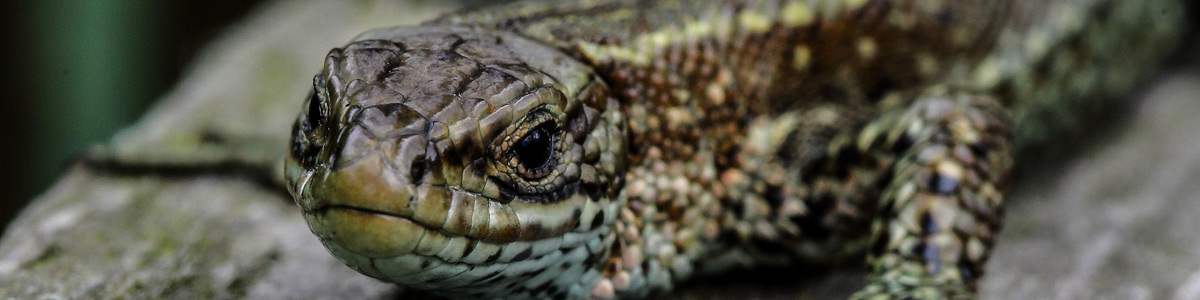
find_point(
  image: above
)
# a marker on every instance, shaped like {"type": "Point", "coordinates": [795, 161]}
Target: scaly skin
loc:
{"type": "Point", "coordinates": [611, 149]}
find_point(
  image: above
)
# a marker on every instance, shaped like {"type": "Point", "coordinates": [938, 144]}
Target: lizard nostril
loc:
{"type": "Point", "coordinates": [416, 171]}
{"type": "Point", "coordinates": [306, 140]}
{"type": "Point", "coordinates": [314, 110]}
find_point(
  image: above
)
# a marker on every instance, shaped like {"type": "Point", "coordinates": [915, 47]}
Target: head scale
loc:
{"type": "Point", "coordinates": [462, 162]}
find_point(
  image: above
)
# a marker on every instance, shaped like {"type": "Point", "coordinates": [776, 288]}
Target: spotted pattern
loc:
{"type": "Point", "coordinates": [675, 138]}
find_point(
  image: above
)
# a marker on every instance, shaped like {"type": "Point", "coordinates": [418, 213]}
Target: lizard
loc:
{"type": "Point", "coordinates": [613, 149]}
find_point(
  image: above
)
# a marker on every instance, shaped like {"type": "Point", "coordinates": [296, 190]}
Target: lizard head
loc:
{"type": "Point", "coordinates": [460, 162]}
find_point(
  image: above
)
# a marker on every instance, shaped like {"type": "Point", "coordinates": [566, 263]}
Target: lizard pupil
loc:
{"type": "Point", "coordinates": [534, 149]}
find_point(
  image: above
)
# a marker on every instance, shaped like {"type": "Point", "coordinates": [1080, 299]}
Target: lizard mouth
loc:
{"type": "Point", "coordinates": [396, 248]}
{"type": "Point", "coordinates": [400, 246]}
{"type": "Point", "coordinates": [357, 209]}
{"type": "Point", "coordinates": [397, 219]}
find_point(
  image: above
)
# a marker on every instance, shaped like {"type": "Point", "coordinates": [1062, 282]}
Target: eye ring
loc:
{"type": "Point", "coordinates": [530, 154]}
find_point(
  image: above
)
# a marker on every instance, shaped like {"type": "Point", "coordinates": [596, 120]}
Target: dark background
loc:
{"type": "Point", "coordinates": [76, 71]}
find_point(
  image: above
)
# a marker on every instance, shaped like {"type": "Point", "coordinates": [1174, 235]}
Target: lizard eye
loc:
{"type": "Point", "coordinates": [535, 150]}
{"type": "Point", "coordinates": [532, 153]}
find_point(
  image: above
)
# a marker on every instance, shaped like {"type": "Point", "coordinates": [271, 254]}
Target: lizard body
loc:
{"type": "Point", "coordinates": [615, 148]}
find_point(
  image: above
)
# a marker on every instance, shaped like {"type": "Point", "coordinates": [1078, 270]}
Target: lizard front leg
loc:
{"type": "Point", "coordinates": [940, 212]}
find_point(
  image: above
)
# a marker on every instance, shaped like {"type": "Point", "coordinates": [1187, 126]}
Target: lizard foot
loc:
{"type": "Point", "coordinates": [911, 288]}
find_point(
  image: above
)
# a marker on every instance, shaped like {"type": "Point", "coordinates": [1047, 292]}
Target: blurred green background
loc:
{"type": "Point", "coordinates": [76, 71]}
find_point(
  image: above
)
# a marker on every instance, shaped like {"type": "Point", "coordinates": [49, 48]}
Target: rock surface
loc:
{"type": "Point", "coordinates": [1114, 221]}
